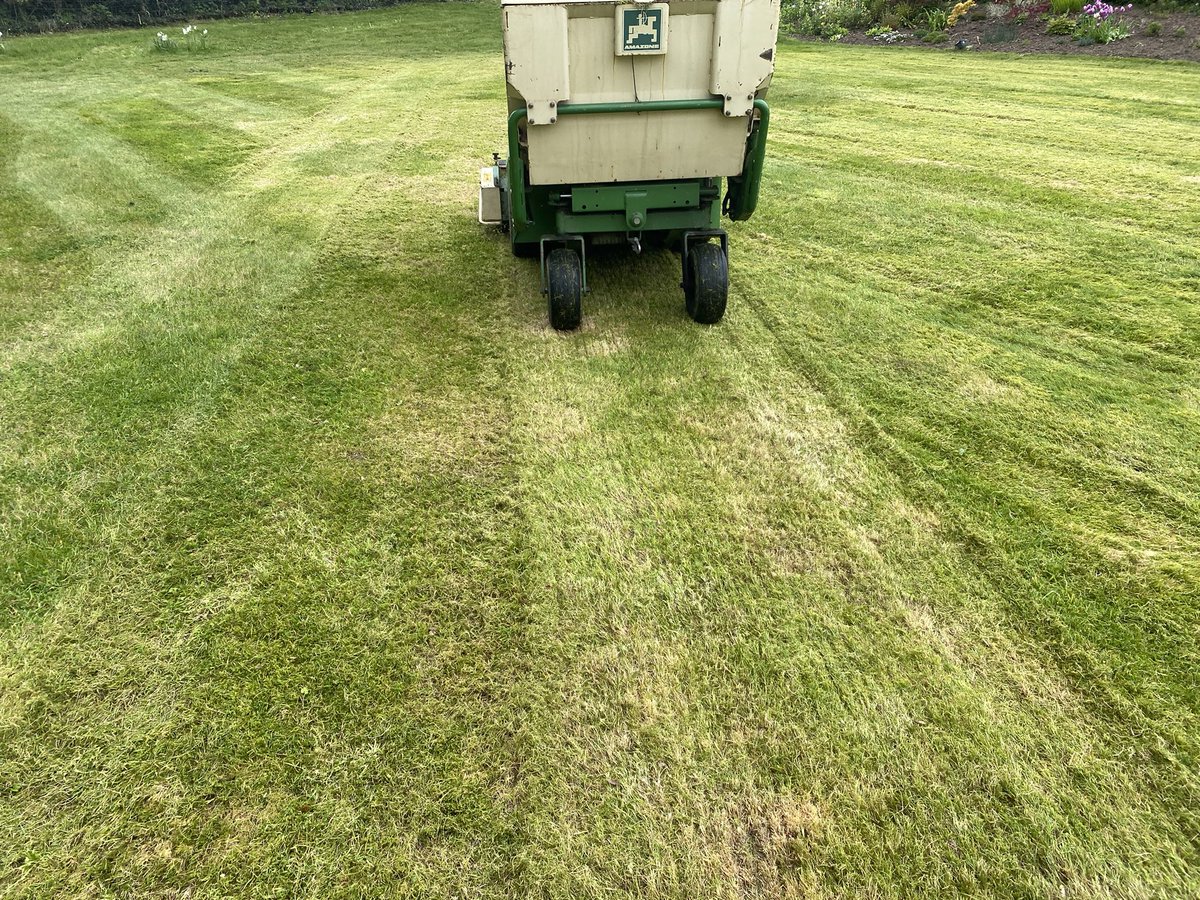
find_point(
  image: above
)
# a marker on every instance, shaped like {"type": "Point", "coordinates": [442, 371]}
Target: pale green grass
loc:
{"type": "Point", "coordinates": [327, 570]}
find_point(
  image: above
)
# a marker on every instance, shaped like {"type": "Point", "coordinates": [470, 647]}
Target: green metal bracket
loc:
{"type": "Point", "coordinates": [657, 194]}
{"type": "Point", "coordinates": [635, 210]}
{"type": "Point", "coordinates": [656, 220]}
{"type": "Point", "coordinates": [742, 199]}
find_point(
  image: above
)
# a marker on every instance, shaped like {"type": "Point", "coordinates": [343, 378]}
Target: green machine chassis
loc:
{"type": "Point", "coordinates": [553, 222]}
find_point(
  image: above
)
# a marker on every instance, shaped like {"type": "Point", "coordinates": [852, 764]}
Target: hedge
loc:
{"type": "Point", "coordinates": [17, 16]}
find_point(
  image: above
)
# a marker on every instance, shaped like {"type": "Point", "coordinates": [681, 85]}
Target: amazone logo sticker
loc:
{"type": "Point", "coordinates": [641, 30]}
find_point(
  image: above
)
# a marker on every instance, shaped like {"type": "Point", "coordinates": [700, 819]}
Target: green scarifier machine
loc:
{"type": "Point", "coordinates": [624, 120]}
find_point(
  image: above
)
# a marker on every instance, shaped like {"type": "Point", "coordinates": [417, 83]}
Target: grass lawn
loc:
{"type": "Point", "coordinates": [327, 570]}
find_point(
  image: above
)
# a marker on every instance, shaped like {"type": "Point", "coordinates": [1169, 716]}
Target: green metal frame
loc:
{"type": "Point", "coordinates": [739, 205]}
{"type": "Point", "coordinates": [742, 199]}
{"type": "Point", "coordinates": [635, 208]}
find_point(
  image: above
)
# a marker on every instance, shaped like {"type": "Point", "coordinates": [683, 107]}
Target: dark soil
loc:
{"type": "Point", "coordinates": [1031, 37]}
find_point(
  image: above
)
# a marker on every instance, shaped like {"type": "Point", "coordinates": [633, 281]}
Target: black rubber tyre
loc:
{"type": "Point", "coordinates": [564, 277]}
{"type": "Point", "coordinates": [706, 288]}
{"type": "Point", "coordinates": [526, 251]}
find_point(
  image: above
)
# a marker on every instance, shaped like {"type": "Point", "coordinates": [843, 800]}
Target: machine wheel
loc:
{"type": "Point", "coordinates": [564, 277]}
{"type": "Point", "coordinates": [526, 251]}
{"type": "Point", "coordinates": [706, 288]}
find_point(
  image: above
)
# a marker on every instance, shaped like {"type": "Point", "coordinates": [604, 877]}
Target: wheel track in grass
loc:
{"type": "Point", "coordinates": [641, 323]}
{"type": "Point", "coordinates": [1075, 670]}
{"type": "Point", "coordinates": [589, 749]}
{"type": "Point", "coordinates": [204, 652]}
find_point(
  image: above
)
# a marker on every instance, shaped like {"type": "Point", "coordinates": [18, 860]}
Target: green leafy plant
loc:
{"type": "Point", "coordinates": [1180, 32]}
{"type": "Point", "coordinates": [193, 40]}
{"type": "Point", "coordinates": [1062, 25]}
{"type": "Point", "coordinates": [885, 35]}
{"type": "Point", "coordinates": [829, 19]}
{"type": "Point", "coordinates": [1154, 29]}
{"type": "Point", "coordinates": [96, 16]}
{"type": "Point", "coordinates": [1102, 32]}
{"type": "Point", "coordinates": [913, 13]}
{"type": "Point", "coordinates": [1101, 23]}
{"type": "Point", "coordinates": [1066, 7]}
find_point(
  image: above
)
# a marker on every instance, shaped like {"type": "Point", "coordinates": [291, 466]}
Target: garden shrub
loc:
{"type": "Point", "coordinates": [959, 10]}
{"type": "Point", "coordinates": [1066, 7]}
{"type": "Point", "coordinates": [1101, 23]}
{"type": "Point", "coordinates": [825, 18]}
{"type": "Point", "coordinates": [832, 18]}
{"type": "Point", "coordinates": [916, 12]}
